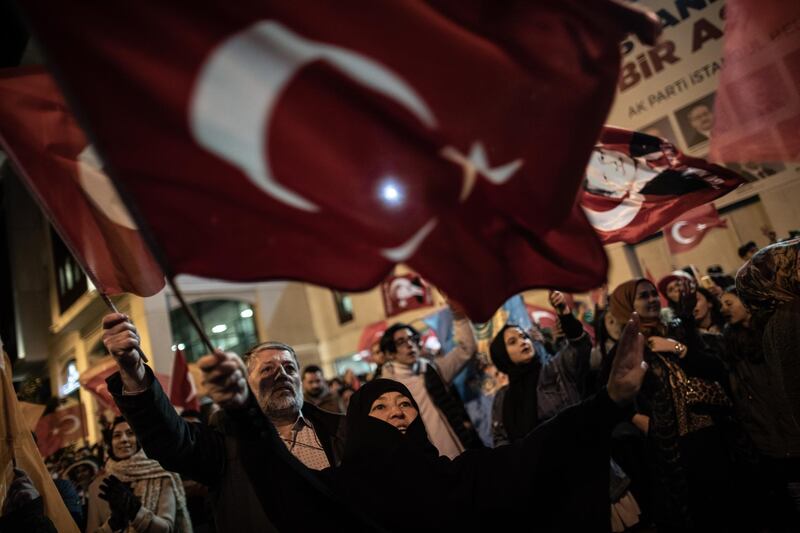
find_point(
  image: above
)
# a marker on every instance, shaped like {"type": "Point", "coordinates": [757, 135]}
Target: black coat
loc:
{"type": "Point", "coordinates": [554, 479]}
{"type": "Point", "coordinates": [255, 483]}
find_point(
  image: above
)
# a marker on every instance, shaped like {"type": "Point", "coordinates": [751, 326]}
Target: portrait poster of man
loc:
{"type": "Point", "coordinates": [661, 128]}
{"type": "Point", "coordinates": [696, 120]}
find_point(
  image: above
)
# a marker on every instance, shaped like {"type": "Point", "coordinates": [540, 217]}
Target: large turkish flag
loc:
{"type": "Point", "coordinates": [325, 141]}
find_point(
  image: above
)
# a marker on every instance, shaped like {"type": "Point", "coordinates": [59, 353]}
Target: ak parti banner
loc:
{"type": "Point", "coordinates": [637, 183]}
{"type": "Point", "coordinates": [327, 141]}
{"type": "Point", "coordinates": [55, 160]}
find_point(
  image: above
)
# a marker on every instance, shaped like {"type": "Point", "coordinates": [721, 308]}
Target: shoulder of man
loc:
{"type": "Point", "coordinates": [321, 419]}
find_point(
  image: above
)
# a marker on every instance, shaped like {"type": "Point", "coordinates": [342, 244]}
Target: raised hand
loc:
{"type": "Point", "coordinates": [20, 492]}
{"type": "Point", "coordinates": [225, 378]}
{"type": "Point", "coordinates": [559, 302]}
{"type": "Point", "coordinates": [628, 368]}
{"type": "Point", "coordinates": [122, 341]}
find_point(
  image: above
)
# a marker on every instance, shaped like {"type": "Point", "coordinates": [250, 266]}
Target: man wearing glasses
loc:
{"type": "Point", "coordinates": [442, 410]}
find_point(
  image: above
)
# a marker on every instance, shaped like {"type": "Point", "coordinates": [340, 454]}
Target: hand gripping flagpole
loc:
{"type": "Point", "coordinates": [114, 309]}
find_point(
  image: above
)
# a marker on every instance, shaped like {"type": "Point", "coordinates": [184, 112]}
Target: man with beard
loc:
{"type": "Point", "coordinates": [253, 458]}
{"type": "Point", "coordinates": [317, 392]}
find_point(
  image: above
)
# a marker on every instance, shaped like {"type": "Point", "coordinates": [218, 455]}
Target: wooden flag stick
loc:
{"type": "Point", "coordinates": [192, 317]}
{"type": "Point", "coordinates": [5, 366]}
{"type": "Point", "coordinates": [114, 309]}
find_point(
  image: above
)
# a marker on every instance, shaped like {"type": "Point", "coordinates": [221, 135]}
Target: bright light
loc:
{"type": "Point", "coordinates": [247, 313]}
{"type": "Point", "coordinates": [174, 347]}
{"type": "Point", "coordinates": [181, 346]}
{"type": "Point", "coordinates": [219, 328]}
{"type": "Point", "coordinates": [391, 193]}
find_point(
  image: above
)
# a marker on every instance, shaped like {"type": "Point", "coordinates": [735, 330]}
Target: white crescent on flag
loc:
{"type": "Point", "coordinates": [676, 233]}
{"type": "Point", "coordinates": [241, 82]}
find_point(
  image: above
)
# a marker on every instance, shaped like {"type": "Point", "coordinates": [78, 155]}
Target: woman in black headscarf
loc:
{"type": "Point", "coordinates": [555, 478]}
{"type": "Point", "coordinates": [540, 385]}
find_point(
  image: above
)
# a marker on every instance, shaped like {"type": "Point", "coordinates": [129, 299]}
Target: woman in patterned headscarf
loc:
{"type": "Point", "coordinates": [683, 409]}
{"type": "Point", "coordinates": [769, 284]}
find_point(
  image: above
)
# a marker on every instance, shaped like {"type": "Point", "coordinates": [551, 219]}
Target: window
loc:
{"type": "Point", "coordinates": [229, 325]}
{"type": "Point", "coordinates": [344, 306]}
{"type": "Point", "coordinates": [68, 379]}
{"type": "Point", "coordinates": [353, 362]}
{"type": "Point", "coordinates": [71, 282]}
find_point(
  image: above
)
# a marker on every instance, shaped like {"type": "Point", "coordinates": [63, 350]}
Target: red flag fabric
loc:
{"type": "Point", "coordinates": [688, 230]}
{"type": "Point", "coordinates": [637, 183]}
{"type": "Point", "coordinates": [182, 391]}
{"type": "Point", "coordinates": [94, 380]}
{"type": "Point", "coordinates": [541, 316]}
{"type": "Point", "coordinates": [327, 141]}
{"type": "Point", "coordinates": [370, 335]}
{"type": "Point", "coordinates": [404, 293]}
{"type": "Point", "coordinates": [59, 428]}
{"type": "Point", "coordinates": [62, 171]}
{"type": "Point", "coordinates": [757, 106]}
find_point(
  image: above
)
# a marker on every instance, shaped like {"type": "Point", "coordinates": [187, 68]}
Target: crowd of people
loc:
{"type": "Point", "coordinates": [677, 417]}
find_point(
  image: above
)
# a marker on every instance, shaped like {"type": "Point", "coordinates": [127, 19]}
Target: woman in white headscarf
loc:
{"type": "Point", "coordinates": [135, 494]}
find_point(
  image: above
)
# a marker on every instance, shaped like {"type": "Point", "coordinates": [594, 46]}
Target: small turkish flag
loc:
{"type": "Point", "coordinates": [60, 428]}
{"type": "Point", "coordinates": [689, 229]}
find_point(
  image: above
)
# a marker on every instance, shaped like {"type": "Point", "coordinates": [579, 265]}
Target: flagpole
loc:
{"type": "Point", "coordinates": [189, 313]}
{"type": "Point", "coordinates": [114, 309]}
{"type": "Point", "coordinates": [6, 405]}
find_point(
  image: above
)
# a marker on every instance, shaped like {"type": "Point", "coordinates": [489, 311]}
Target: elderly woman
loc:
{"type": "Point", "coordinates": [136, 494]}
{"type": "Point", "coordinates": [555, 478]}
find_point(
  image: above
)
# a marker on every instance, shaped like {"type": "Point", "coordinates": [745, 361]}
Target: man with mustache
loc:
{"type": "Point", "coordinates": [312, 435]}
{"type": "Point", "coordinates": [252, 459]}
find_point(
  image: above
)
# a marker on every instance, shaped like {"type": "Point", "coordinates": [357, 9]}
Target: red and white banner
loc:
{"type": "Point", "coordinates": [637, 183]}
{"type": "Point", "coordinates": [689, 229]}
{"type": "Point", "coordinates": [63, 426]}
{"type": "Point", "coordinates": [757, 108]}
{"type": "Point", "coordinates": [52, 155]}
{"type": "Point", "coordinates": [327, 141]}
{"type": "Point", "coordinates": [404, 293]}
{"type": "Point", "coordinates": [182, 390]}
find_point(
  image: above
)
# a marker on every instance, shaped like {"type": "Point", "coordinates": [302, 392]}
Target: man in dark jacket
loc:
{"type": "Point", "coordinates": [253, 461]}
{"type": "Point", "coordinates": [317, 392]}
